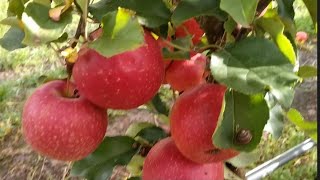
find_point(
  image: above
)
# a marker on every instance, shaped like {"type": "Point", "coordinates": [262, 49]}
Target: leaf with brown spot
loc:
{"type": "Point", "coordinates": [55, 13]}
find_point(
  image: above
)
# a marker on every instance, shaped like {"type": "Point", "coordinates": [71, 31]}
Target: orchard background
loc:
{"type": "Point", "coordinates": [22, 70]}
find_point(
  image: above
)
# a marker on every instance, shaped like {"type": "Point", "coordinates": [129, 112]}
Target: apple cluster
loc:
{"type": "Point", "coordinates": [67, 120]}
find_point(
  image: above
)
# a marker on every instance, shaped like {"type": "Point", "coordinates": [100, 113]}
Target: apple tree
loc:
{"type": "Point", "coordinates": [232, 65]}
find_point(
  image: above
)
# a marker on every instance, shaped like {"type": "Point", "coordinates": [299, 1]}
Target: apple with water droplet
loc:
{"type": "Point", "coordinates": [62, 126]}
{"type": "Point", "coordinates": [123, 81]}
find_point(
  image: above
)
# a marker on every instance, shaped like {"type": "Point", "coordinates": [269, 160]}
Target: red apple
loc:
{"type": "Point", "coordinates": [165, 162]}
{"type": "Point", "coordinates": [301, 36]}
{"type": "Point", "coordinates": [191, 27]}
{"type": "Point", "coordinates": [185, 74]}
{"type": "Point", "coordinates": [193, 120]}
{"type": "Point", "coordinates": [123, 81]}
{"type": "Point", "coordinates": [62, 127]}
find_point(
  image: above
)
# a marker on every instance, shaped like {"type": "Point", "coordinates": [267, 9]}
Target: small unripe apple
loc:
{"type": "Point", "coordinates": [182, 75]}
{"type": "Point", "coordinates": [301, 36]}
{"type": "Point", "coordinates": [191, 27]}
{"type": "Point", "coordinates": [123, 81]}
{"type": "Point", "coordinates": [62, 127]}
{"type": "Point", "coordinates": [165, 162]}
{"type": "Point", "coordinates": [193, 120]}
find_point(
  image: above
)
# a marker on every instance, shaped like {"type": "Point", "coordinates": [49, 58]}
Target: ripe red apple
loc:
{"type": "Point", "coordinates": [301, 36]}
{"type": "Point", "coordinates": [191, 27]}
{"type": "Point", "coordinates": [185, 74]}
{"type": "Point", "coordinates": [165, 162]}
{"type": "Point", "coordinates": [62, 127]}
{"type": "Point", "coordinates": [123, 81]}
{"type": "Point", "coordinates": [193, 120]}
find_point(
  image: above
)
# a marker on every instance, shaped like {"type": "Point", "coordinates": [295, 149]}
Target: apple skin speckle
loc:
{"type": "Point", "coordinates": [60, 127]}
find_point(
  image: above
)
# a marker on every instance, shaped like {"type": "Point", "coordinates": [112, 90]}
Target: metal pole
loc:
{"type": "Point", "coordinates": [271, 165]}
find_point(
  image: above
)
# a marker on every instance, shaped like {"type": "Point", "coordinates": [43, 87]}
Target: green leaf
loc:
{"type": "Point", "coordinates": [285, 8]}
{"type": "Point", "coordinates": [160, 105]}
{"type": "Point", "coordinates": [312, 8]}
{"type": "Point", "coordinates": [187, 9]}
{"type": "Point", "coordinates": [245, 158]}
{"type": "Point", "coordinates": [147, 131]}
{"type": "Point", "coordinates": [275, 123]}
{"type": "Point", "coordinates": [135, 128]}
{"type": "Point", "coordinates": [12, 21]}
{"type": "Point", "coordinates": [16, 7]}
{"type": "Point", "coordinates": [284, 96]}
{"type": "Point", "coordinates": [309, 127]}
{"type": "Point", "coordinates": [121, 32]}
{"type": "Point", "coordinates": [253, 65]}
{"type": "Point", "coordinates": [135, 165]}
{"type": "Point", "coordinates": [12, 39]}
{"type": "Point", "coordinates": [181, 46]}
{"type": "Point", "coordinates": [82, 4]}
{"type": "Point", "coordinates": [242, 11]}
{"type": "Point", "coordinates": [307, 71]}
{"type": "Point", "coordinates": [151, 13]}
{"type": "Point", "coordinates": [38, 26]}
{"type": "Point", "coordinates": [184, 42]}
{"type": "Point", "coordinates": [272, 24]}
{"type": "Point", "coordinates": [241, 112]}
{"type": "Point", "coordinates": [117, 150]}
{"type": "Point", "coordinates": [152, 134]}
{"type": "Point", "coordinates": [229, 27]}
{"type": "Point", "coordinates": [175, 55]}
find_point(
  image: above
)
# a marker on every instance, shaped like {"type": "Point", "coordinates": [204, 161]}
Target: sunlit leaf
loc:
{"type": "Point", "coordinates": [242, 11]}
{"type": "Point", "coordinates": [38, 26]}
{"type": "Point", "coordinates": [309, 127]}
{"type": "Point", "coordinates": [272, 24]}
{"type": "Point", "coordinates": [307, 71]}
{"type": "Point", "coordinates": [121, 32]}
